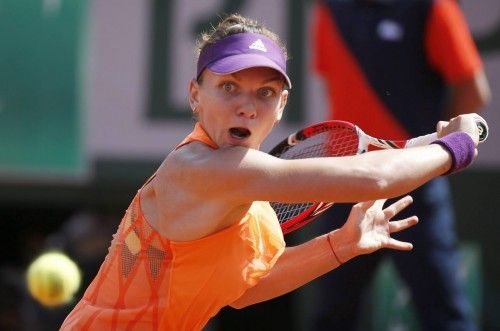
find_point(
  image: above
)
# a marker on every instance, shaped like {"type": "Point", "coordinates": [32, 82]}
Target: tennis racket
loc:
{"type": "Point", "coordinates": [335, 138]}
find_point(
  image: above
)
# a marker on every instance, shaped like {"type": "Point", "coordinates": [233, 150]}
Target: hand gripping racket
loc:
{"type": "Point", "coordinates": [335, 138]}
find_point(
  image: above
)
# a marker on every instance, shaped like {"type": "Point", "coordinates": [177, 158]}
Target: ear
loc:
{"type": "Point", "coordinates": [281, 108]}
{"type": "Point", "coordinates": [194, 89]}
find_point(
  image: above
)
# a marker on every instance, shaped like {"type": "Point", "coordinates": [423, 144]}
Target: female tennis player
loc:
{"type": "Point", "coordinates": [199, 235]}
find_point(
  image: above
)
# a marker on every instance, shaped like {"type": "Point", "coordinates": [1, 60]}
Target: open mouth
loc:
{"type": "Point", "coordinates": [239, 133]}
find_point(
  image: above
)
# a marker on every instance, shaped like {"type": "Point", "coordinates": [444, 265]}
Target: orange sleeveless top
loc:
{"type": "Point", "coordinates": [148, 282]}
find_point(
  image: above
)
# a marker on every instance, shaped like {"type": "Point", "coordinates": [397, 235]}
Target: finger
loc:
{"type": "Point", "coordinates": [440, 125]}
{"type": "Point", "coordinates": [398, 245]}
{"type": "Point", "coordinates": [397, 206]}
{"type": "Point", "coordinates": [403, 224]}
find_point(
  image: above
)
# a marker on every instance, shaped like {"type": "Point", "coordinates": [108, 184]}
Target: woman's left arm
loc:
{"type": "Point", "coordinates": [367, 229]}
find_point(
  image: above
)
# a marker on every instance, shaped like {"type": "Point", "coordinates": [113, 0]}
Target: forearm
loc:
{"type": "Point", "coordinates": [396, 172]}
{"type": "Point", "coordinates": [297, 266]}
{"type": "Point", "coordinates": [374, 175]}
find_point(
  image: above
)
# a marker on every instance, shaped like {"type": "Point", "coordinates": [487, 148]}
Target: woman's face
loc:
{"type": "Point", "coordinates": [239, 108]}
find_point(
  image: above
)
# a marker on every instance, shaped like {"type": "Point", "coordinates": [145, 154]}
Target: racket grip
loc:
{"type": "Point", "coordinates": [482, 128]}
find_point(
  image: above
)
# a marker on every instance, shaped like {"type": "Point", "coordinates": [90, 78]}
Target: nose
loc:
{"type": "Point", "coordinates": [247, 108]}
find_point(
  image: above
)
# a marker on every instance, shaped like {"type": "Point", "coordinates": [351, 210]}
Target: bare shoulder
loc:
{"type": "Point", "coordinates": [188, 163]}
{"type": "Point", "coordinates": [215, 173]}
{"type": "Point", "coordinates": [187, 202]}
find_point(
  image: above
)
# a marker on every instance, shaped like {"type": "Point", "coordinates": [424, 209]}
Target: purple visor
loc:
{"type": "Point", "coordinates": [242, 51]}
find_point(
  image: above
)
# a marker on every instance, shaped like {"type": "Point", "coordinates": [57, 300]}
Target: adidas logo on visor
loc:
{"type": "Point", "coordinates": [259, 45]}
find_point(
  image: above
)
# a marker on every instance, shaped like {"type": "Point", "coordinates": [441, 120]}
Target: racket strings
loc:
{"type": "Point", "coordinates": [337, 141]}
{"type": "Point", "coordinates": [286, 211]}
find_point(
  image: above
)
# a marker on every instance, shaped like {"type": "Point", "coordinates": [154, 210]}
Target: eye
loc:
{"type": "Point", "coordinates": [266, 92]}
{"type": "Point", "coordinates": [228, 86]}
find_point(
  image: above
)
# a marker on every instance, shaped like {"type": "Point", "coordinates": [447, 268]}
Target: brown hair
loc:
{"type": "Point", "coordinates": [233, 24]}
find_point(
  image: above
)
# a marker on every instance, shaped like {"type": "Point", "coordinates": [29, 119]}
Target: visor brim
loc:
{"type": "Point", "coordinates": [235, 63]}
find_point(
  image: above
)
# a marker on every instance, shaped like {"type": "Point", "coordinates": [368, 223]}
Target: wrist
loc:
{"type": "Point", "coordinates": [341, 250]}
{"type": "Point", "coordinates": [461, 148]}
{"type": "Point", "coordinates": [339, 261]}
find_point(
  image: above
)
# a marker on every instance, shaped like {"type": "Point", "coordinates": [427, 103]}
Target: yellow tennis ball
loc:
{"type": "Point", "coordinates": [53, 279]}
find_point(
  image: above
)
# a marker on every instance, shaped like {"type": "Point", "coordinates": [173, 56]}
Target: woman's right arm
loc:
{"type": "Point", "coordinates": [242, 175]}
{"type": "Point", "coordinates": [369, 176]}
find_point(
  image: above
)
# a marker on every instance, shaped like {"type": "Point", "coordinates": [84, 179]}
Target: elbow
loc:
{"type": "Point", "coordinates": [383, 181]}
{"type": "Point", "coordinates": [238, 304]}
{"type": "Point", "coordinates": [381, 187]}
{"type": "Point", "coordinates": [375, 182]}
{"type": "Point", "coordinates": [242, 302]}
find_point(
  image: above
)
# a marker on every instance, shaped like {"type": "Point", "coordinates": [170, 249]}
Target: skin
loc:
{"type": "Point", "coordinates": [198, 191]}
